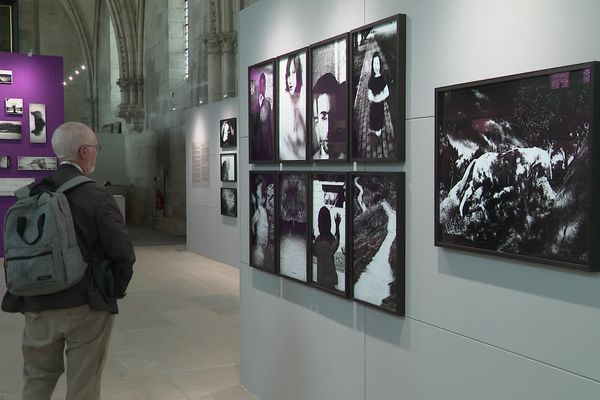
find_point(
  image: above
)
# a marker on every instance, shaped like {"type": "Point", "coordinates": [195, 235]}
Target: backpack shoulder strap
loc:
{"type": "Point", "coordinates": [73, 182]}
{"type": "Point", "coordinates": [22, 192]}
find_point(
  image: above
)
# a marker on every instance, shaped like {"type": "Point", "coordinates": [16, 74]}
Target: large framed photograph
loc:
{"type": "Point", "coordinates": [378, 64]}
{"type": "Point", "coordinates": [328, 99]}
{"type": "Point", "coordinates": [228, 167]}
{"type": "Point", "coordinates": [228, 133]}
{"type": "Point", "coordinates": [13, 106]}
{"type": "Point", "coordinates": [261, 119]}
{"type": "Point", "coordinates": [291, 110]}
{"type": "Point", "coordinates": [37, 123]}
{"type": "Point", "coordinates": [6, 76]}
{"type": "Point", "coordinates": [516, 163]}
{"type": "Point", "coordinates": [229, 202]}
{"type": "Point", "coordinates": [329, 247]}
{"type": "Point", "coordinates": [292, 224]}
{"type": "Point", "coordinates": [262, 220]}
{"type": "Point", "coordinates": [10, 130]}
{"type": "Point", "coordinates": [36, 163]}
{"type": "Point", "coordinates": [4, 162]}
{"type": "Point", "coordinates": [378, 240]}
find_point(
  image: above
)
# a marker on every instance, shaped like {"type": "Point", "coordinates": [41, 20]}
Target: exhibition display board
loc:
{"type": "Point", "coordinates": [32, 99]}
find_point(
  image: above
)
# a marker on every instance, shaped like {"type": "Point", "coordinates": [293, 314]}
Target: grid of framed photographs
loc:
{"type": "Point", "coordinates": [333, 102]}
{"type": "Point", "coordinates": [516, 162]}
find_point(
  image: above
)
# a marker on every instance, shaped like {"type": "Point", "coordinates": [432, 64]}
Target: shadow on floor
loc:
{"type": "Point", "coordinates": [145, 236]}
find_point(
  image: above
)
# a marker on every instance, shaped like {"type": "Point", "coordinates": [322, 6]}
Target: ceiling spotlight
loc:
{"type": "Point", "coordinates": [225, 95]}
{"type": "Point", "coordinates": [83, 67]}
{"type": "Point", "coordinates": [64, 83]}
{"type": "Point", "coordinates": [174, 108]}
{"type": "Point", "coordinates": [70, 78]}
{"type": "Point", "coordinates": [77, 72]}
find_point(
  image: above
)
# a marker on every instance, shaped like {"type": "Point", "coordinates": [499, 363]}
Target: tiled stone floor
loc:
{"type": "Point", "coordinates": [176, 337]}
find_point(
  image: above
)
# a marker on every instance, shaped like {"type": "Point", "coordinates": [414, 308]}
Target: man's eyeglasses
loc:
{"type": "Point", "coordinates": [98, 147]}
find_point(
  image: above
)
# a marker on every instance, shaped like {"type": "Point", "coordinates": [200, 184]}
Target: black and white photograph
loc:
{"type": "Point", "coordinates": [262, 220]}
{"type": "Point", "coordinates": [228, 167]}
{"type": "Point", "coordinates": [6, 76]}
{"type": "Point", "coordinates": [37, 123]}
{"type": "Point", "coordinates": [328, 100]}
{"type": "Point", "coordinates": [228, 133]}
{"type": "Point", "coordinates": [378, 65]}
{"type": "Point", "coordinates": [291, 100]}
{"type": "Point", "coordinates": [229, 202]}
{"type": "Point", "coordinates": [261, 118]}
{"type": "Point", "coordinates": [328, 237]}
{"type": "Point", "coordinates": [4, 162]}
{"type": "Point", "coordinates": [377, 232]}
{"type": "Point", "coordinates": [34, 163]}
{"type": "Point", "coordinates": [8, 186]}
{"type": "Point", "coordinates": [514, 166]}
{"type": "Point", "coordinates": [13, 106]}
{"type": "Point", "coordinates": [292, 224]}
{"type": "Point", "coordinates": [10, 130]}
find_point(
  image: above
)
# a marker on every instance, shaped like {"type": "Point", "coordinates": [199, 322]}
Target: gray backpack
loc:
{"type": "Point", "coordinates": [41, 255]}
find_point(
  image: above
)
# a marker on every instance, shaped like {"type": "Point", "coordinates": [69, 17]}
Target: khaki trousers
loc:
{"type": "Point", "coordinates": [84, 333]}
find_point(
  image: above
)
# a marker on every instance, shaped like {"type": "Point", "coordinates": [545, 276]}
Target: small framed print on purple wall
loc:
{"type": "Point", "coordinates": [13, 106]}
{"type": "Point", "coordinates": [34, 163]}
{"type": "Point", "coordinates": [261, 118]}
{"type": "Point", "coordinates": [10, 130]}
{"type": "Point", "coordinates": [6, 76]}
{"type": "Point", "coordinates": [517, 163]}
{"type": "Point", "coordinates": [37, 123]}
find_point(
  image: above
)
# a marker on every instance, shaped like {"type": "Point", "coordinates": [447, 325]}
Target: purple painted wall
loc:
{"type": "Point", "coordinates": [36, 79]}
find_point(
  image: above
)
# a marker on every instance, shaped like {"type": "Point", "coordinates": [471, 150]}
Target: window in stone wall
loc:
{"type": "Point", "coordinates": [186, 54]}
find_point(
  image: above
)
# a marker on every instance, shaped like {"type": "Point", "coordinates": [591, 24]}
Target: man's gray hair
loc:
{"type": "Point", "coordinates": [68, 138]}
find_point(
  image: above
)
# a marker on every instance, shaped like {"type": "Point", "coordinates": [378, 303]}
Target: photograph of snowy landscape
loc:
{"type": "Point", "coordinates": [378, 239]}
{"type": "Point", "coordinates": [513, 166]}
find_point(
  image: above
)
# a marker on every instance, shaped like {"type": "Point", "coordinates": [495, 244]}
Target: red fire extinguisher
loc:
{"type": "Point", "coordinates": [160, 200]}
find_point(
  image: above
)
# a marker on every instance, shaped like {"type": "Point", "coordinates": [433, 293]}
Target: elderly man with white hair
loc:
{"type": "Point", "coordinates": [78, 320]}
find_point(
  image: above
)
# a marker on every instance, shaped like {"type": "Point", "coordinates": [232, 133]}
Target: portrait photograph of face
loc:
{"type": "Point", "coordinates": [13, 106]}
{"type": "Point", "coordinates": [291, 127]}
{"type": "Point", "coordinates": [377, 232]}
{"type": "Point", "coordinates": [228, 133]}
{"type": "Point", "coordinates": [262, 220]}
{"type": "Point", "coordinates": [378, 90]}
{"type": "Point", "coordinates": [228, 167]}
{"type": "Point", "coordinates": [292, 224]}
{"type": "Point", "coordinates": [329, 99]}
{"type": "Point", "coordinates": [261, 121]}
{"type": "Point", "coordinates": [328, 231]}
{"type": "Point", "coordinates": [229, 202]}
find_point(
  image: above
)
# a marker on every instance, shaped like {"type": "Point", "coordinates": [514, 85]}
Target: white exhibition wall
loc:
{"type": "Point", "coordinates": [208, 232]}
{"type": "Point", "coordinates": [476, 327]}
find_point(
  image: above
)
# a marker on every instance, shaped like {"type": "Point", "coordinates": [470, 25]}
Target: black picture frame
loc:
{"type": "Point", "coordinates": [4, 162]}
{"type": "Point", "coordinates": [229, 202]}
{"type": "Point", "coordinates": [328, 199]}
{"type": "Point", "coordinates": [36, 163]}
{"type": "Point", "coordinates": [377, 125]}
{"type": "Point", "coordinates": [228, 133]}
{"type": "Point", "coordinates": [9, 26]}
{"type": "Point", "coordinates": [262, 221]}
{"type": "Point", "coordinates": [516, 166]}
{"type": "Point", "coordinates": [328, 100]}
{"type": "Point", "coordinates": [261, 112]}
{"type": "Point", "coordinates": [292, 224]}
{"type": "Point", "coordinates": [228, 167]}
{"type": "Point", "coordinates": [292, 106]}
{"type": "Point", "coordinates": [377, 247]}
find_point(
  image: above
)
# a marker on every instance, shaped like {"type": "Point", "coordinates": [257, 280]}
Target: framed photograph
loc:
{"type": "Point", "coordinates": [228, 167]}
{"type": "Point", "coordinates": [378, 63]}
{"type": "Point", "coordinates": [6, 76]}
{"type": "Point", "coordinates": [262, 220]}
{"type": "Point", "coordinates": [10, 130]}
{"type": "Point", "coordinates": [261, 119]}
{"type": "Point", "coordinates": [229, 202]}
{"type": "Point", "coordinates": [378, 240]}
{"type": "Point", "coordinates": [36, 163]}
{"type": "Point", "coordinates": [291, 106]}
{"type": "Point", "coordinates": [228, 133]}
{"type": "Point", "coordinates": [37, 123]}
{"type": "Point", "coordinates": [4, 162]}
{"type": "Point", "coordinates": [328, 99]}
{"type": "Point", "coordinates": [13, 106]}
{"type": "Point", "coordinates": [292, 224]}
{"type": "Point", "coordinates": [8, 186]}
{"type": "Point", "coordinates": [9, 30]}
{"type": "Point", "coordinates": [329, 247]}
{"type": "Point", "coordinates": [516, 166]}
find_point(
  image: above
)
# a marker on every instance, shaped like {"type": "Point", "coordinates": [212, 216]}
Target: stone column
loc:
{"type": "Point", "coordinates": [214, 45]}
{"type": "Point", "coordinates": [228, 64]}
